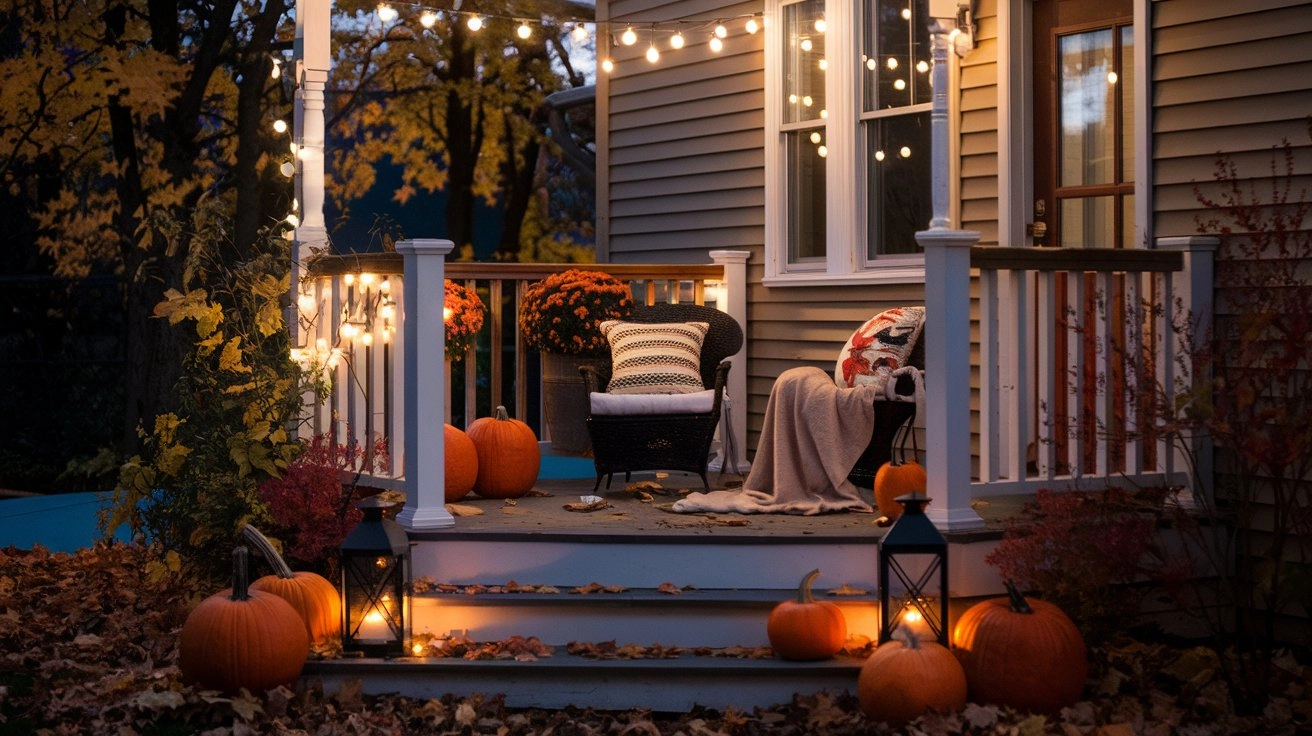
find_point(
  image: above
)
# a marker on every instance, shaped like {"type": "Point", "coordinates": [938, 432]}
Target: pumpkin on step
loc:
{"type": "Point", "coordinates": [461, 463]}
{"type": "Point", "coordinates": [313, 597]}
{"type": "Point", "coordinates": [899, 476]}
{"type": "Point", "coordinates": [806, 629]}
{"type": "Point", "coordinates": [508, 455]}
{"type": "Point", "coordinates": [242, 638]}
{"type": "Point", "coordinates": [905, 677]}
{"type": "Point", "coordinates": [1023, 654]}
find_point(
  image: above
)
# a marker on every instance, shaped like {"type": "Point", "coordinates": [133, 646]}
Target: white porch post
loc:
{"type": "Point", "coordinates": [311, 53]}
{"type": "Point", "coordinates": [947, 324]}
{"type": "Point", "coordinates": [735, 290]}
{"type": "Point", "coordinates": [425, 378]}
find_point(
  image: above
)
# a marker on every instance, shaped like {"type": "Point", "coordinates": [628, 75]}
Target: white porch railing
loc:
{"type": "Point", "coordinates": [373, 322]}
{"type": "Point", "coordinates": [1070, 344]}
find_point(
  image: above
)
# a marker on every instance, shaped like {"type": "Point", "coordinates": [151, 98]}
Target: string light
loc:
{"type": "Point", "coordinates": [607, 65]}
{"type": "Point", "coordinates": [428, 18]}
{"type": "Point", "coordinates": [475, 23]}
{"type": "Point", "coordinates": [752, 25]}
{"type": "Point", "coordinates": [820, 25]}
{"type": "Point", "coordinates": [387, 13]}
{"type": "Point", "coordinates": [580, 33]}
{"type": "Point", "coordinates": [280, 126]}
{"type": "Point", "coordinates": [716, 44]}
{"type": "Point", "coordinates": [676, 41]}
{"type": "Point", "coordinates": [721, 31]}
{"type": "Point", "coordinates": [653, 55]}
{"type": "Point", "coordinates": [628, 38]}
{"type": "Point", "coordinates": [523, 31]}
{"type": "Point", "coordinates": [276, 71]}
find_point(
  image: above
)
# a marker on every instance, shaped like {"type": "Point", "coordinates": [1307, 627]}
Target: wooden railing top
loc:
{"type": "Point", "coordinates": [390, 263]}
{"type": "Point", "coordinates": [1003, 258]}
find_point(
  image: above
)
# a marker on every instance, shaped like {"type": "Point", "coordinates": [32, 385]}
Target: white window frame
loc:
{"type": "Point", "coordinates": [845, 180]}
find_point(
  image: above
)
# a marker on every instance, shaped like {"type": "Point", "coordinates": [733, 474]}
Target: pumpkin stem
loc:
{"type": "Point", "coordinates": [262, 543]}
{"type": "Point", "coordinates": [804, 589]}
{"type": "Point", "coordinates": [502, 415]}
{"type": "Point", "coordinates": [240, 576]}
{"type": "Point", "coordinates": [1018, 602]}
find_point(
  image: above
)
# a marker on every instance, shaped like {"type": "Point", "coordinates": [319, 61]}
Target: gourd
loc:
{"type": "Point", "coordinates": [904, 677]}
{"type": "Point", "coordinates": [1023, 654]}
{"type": "Point", "coordinates": [461, 463]}
{"type": "Point", "coordinates": [314, 598]}
{"type": "Point", "coordinates": [806, 629]}
{"type": "Point", "coordinates": [508, 455]}
{"type": "Point", "coordinates": [241, 638]}
{"type": "Point", "coordinates": [899, 476]}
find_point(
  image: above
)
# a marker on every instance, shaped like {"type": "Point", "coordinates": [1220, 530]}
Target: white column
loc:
{"type": "Point", "coordinates": [735, 305]}
{"type": "Point", "coordinates": [311, 54]}
{"type": "Point", "coordinates": [425, 380]}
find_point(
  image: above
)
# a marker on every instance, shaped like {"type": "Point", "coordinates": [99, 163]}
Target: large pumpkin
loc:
{"type": "Point", "coordinates": [313, 597]}
{"type": "Point", "coordinates": [242, 638]}
{"type": "Point", "coordinates": [461, 463]}
{"type": "Point", "coordinates": [508, 455]}
{"type": "Point", "coordinates": [805, 628]}
{"type": "Point", "coordinates": [1023, 654]}
{"type": "Point", "coordinates": [899, 476]}
{"type": "Point", "coordinates": [905, 677]}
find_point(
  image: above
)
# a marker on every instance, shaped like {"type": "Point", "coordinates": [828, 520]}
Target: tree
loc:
{"type": "Point", "coordinates": [117, 120]}
{"type": "Point", "coordinates": [459, 110]}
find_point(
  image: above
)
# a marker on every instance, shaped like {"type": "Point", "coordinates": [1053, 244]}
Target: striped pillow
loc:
{"type": "Point", "coordinates": [655, 358]}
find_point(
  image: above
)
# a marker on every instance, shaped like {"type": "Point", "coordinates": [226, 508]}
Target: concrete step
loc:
{"type": "Point", "coordinates": [645, 616]}
{"type": "Point", "coordinates": [668, 685]}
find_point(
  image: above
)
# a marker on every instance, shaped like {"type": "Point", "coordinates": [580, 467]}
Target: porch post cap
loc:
{"type": "Point", "coordinates": [424, 246]}
{"type": "Point", "coordinates": [1188, 242]}
{"type": "Point", "coordinates": [730, 256]}
{"type": "Point", "coordinates": [948, 237]}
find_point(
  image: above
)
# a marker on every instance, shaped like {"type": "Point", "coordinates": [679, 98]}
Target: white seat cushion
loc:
{"type": "Point", "coordinates": [700, 402]}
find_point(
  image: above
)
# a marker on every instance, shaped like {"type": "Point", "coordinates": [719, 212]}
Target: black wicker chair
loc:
{"type": "Point", "coordinates": [682, 441]}
{"type": "Point", "coordinates": [890, 415]}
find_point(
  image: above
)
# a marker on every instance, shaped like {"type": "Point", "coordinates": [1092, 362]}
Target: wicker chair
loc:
{"type": "Point", "coordinates": [890, 415]}
{"type": "Point", "coordinates": [664, 441]}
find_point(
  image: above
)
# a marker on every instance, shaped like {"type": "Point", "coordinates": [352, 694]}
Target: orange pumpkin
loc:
{"type": "Point", "coordinates": [242, 638]}
{"type": "Point", "coordinates": [508, 455]}
{"type": "Point", "coordinates": [315, 599]}
{"type": "Point", "coordinates": [461, 463]}
{"type": "Point", "coordinates": [1023, 654]}
{"type": "Point", "coordinates": [806, 629]}
{"type": "Point", "coordinates": [899, 476]}
{"type": "Point", "coordinates": [902, 679]}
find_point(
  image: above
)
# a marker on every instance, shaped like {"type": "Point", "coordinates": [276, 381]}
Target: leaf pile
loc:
{"type": "Point", "coordinates": [88, 645]}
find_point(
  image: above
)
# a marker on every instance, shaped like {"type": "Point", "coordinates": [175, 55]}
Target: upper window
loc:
{"type": "Point", "coordinates": [849, 154]}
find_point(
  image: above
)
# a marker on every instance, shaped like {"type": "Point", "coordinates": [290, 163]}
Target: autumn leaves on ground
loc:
{"type": "Point", "coordinates": [90, 646]}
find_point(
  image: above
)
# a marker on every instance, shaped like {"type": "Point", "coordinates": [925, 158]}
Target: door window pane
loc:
{"type": "Point", "coordinates": [1126, 88]}
{"type": "Point", "coordinates": [805, 165]}
{"type": "Point", "coordinates": [1087, 82]}
{"type": "Point", "coordinates": [897, 183]}
{"type": "Point", "coordinates": [804, 61]}
{"type": "Point", "coordinates": [1088, 222]}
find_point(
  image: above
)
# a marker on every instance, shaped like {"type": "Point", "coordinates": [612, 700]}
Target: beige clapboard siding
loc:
{"type": "Point", "coordinates": [1233, 78]}
{"type": "Point", "coordinates": [978, 131]}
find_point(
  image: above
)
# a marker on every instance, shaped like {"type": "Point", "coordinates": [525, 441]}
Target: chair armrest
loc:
{"type": "Point", "coordinates": [721, 379]}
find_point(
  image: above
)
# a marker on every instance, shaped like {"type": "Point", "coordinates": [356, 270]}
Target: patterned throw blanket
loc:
{"type": "Point", "coordinates": [813, 434]}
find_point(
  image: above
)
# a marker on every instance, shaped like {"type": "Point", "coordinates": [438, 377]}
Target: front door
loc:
{"type": "Point", "coordinates": [1083, 126]}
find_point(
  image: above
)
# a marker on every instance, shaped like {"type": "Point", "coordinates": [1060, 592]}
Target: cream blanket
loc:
{"type": "Point", "coordinates": [812, 435]}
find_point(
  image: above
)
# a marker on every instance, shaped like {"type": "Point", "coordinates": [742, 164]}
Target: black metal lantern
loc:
{"type": "Point", "coordinates": [375, 584]}
{"type": "Point", "coordinates": [911, 555]}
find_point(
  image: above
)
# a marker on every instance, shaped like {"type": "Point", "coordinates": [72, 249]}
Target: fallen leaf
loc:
{"type": "Point", "coordinates": [846, 589]}
{"type": "Point", "coordinates": [588, 507]}
{"type": "Point", "coordinates": [460, 509]}
{"type": "Point", "coordinates": [668, 589]}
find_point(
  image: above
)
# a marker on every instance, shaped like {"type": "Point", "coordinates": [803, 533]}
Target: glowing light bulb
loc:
{"type": "Point", "coordinates": [716, 45]}
{"type": "Point", "coordinates": [820, 25]}
{"type": "Point", "coordinates": [276, 71]}
{"type": "Point", "coordinates": [348, 279]}
{"type": "Point", "coordinates": [474, 23]}
{"type": "Point", "coordinates": [579, 34]}
{"type": "Point", "coordinates": [523, 31]}
{"type": "Point", "coordinates": [447, 314]}
{"type": "Point", "coordinates": [676, 41]}
{"type": "Point", "coordinates": [367, 279]}
{"type": "Point", "coordinates": [280, 126]}
{"type": "Point", "coordinates": [806, 44]}
{"type": "Point", "coordinates": [904, 152]}
{"type": "Point", "coordinates": [296, 205]}
{"type": "Point", "coordinates": [870, 64]}
{"type": "Point", "coordinates": [815, 136]}
{"type": "Point", "coordinates": [287, 169]}
{"type": "Point", "coordinates": [653, 55]}
{"type": "Point", "coordinates": [428, 19]}
{"type": "Point", "coordinates": [721, 31]}
{"type": "Point", "coordinates": [367, 338]}
{"type": "Point", "coordinates": [417, 650]}
{"type": "Point", "coordinates": [628, 38]}
{"type": "Point", "coordinates": [387, 13]}
{"type": "Point", "coordinates": [293, 220]}
{"type": "Point", "coordinates": [824, 114]}
{"type": "Point", "coordinates": [906, 13]}
{"type": "Point", "coordinates": [823, 64]}
{"type": "Point", "coordinates": [607, 66]}
{"type": "Point", "coordinates": [347, 331]}
{"type": "Point", "coordinates": [386, 286]}
{"type": "Point", "coordinates": [305, 302]}
{"type": "Point", "coordinates": [922, 66]}
{"type": "Point", "coordinates": [792, 99]}
{"type": "Point", "coordinates": [899, 84]}
{"type": "Point", "coordinates": [753, 26]}
{"type": "Point", "coordinates": [879, 155]}
{"type": "Point", "coordinates": [822, 150]}
{"type": "Point", "coordinates": [1111, 77]}
{"type": "Point", "coordinates": [891, 63]}
{"type": "Point", "coordinates": [807, 101]}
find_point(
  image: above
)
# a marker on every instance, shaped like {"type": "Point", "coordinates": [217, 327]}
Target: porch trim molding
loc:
{"type": "Point", "coordinates": [947, 382]}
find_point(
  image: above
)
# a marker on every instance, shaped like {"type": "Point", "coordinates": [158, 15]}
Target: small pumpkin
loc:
{"type": "Point", "coordinates": [508, 455]}
{"type": "Point", "coordinates": [461, 463]}
{"type": "Point", "coordinates": [1023, 654]}
{"type": "Point", "coordinates": [899, 476]}
{"type": "Point", "coordinates": [313, 597]}
{"type": "Point", "coordinates": [905, 677]}
{"type": "Point", "coordinates": [806, 629]}
{"type": "Point", "coordinates": [242, 638]}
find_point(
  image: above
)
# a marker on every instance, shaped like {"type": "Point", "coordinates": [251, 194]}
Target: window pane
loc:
{"type": "Point", "coordinates": [804, 61]}
{"type": "Point", "coordinates": [1087, 108]}
{"type": "Point", "coordinates": [1127, 103]}
{"type": "Point", "coordinates": [895, 54]}
{"type": "Point", "coordinates": [1087, 222]}
{"type": "Point", "coordinates": [898, 183]}
{"type": "Point", "coordinates": [806, 196]}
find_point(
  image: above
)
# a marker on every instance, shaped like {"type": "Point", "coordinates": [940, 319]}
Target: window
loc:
{"type": "Point", "coordinates": [848, 159]}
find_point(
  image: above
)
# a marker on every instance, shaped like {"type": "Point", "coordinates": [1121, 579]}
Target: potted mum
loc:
{"type": "Point", "coordinates": [462, 318]}
{"type": "Point", "coordinates": [560, 317]}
